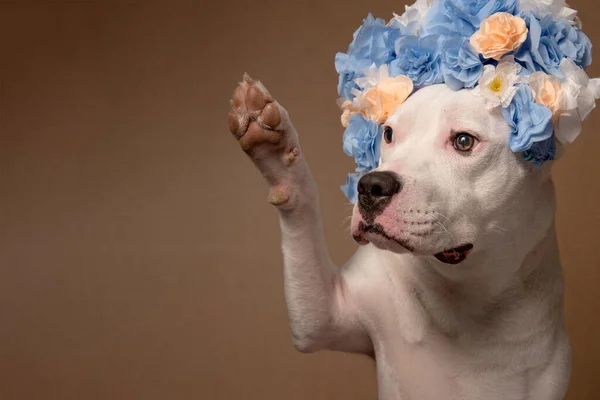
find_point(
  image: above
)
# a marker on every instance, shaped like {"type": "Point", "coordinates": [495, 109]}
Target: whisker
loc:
{"type": "Point", "coordinates": [498, 227]}
{"type": "Point", "coordinates": [445, 230]}
{"type": "Point", "coordinates": [443, 216]}
{"type": "Point", "coordinates": [346, 224]}
{"type": "Point", "coordinates": [499, 232]}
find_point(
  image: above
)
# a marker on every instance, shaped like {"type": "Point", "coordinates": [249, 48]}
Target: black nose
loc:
{"type": "Point", "coordinates": [375, 190]}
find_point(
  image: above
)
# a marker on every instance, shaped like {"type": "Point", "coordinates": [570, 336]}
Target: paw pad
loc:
{"type": "Point", "coordinates": [279, 195]}
{"type": "Point", "coordinates": [255, 116]}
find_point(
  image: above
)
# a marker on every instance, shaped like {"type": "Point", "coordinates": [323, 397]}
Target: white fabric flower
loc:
{"type": "Point", "coordinates": [412, 18]}
{"type": "Point", "coordinates": [497, 85]}
{"type": "Point", "coordinates": [578, 98]}
{"type": "Point", "coordinates": [542, 8]}
{"type": "Point", "coordinates": [372, 76]}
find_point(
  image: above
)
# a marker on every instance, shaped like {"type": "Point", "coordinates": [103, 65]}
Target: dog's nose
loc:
{"type": "Point", "coordinates": [377, 188]}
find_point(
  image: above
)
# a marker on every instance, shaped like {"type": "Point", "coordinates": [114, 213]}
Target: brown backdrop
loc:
{"type": "Point", "coordinates": [138, 256]}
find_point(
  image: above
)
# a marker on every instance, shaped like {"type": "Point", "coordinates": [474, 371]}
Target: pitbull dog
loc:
{"type": "Point", "coordinates": [457, 289]}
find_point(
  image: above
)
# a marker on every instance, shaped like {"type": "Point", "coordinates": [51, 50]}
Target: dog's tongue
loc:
{"type": "Point", "coordinates": [456, 255]}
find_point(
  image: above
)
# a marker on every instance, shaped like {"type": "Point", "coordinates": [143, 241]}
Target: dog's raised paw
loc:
{"type": "Point", "coordinates": [255, 118]}
{"type": "Point", "coordinates": [264, 131]}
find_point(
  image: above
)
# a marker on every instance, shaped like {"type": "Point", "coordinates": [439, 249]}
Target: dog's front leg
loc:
{"type": "Point", "coordinates": [320, 304]}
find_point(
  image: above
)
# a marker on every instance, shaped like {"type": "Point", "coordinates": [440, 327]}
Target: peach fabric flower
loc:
{"type": "Point", "coordinates": [500, 34]}
{"type": "Point", "coordinates": [380, 94]}
{"type": "Point", "coordinates": [382, 100]}
{"type": "Point", "coordinates": [546, 90]}
{"type": "Point", "coordinates": [347, 111]}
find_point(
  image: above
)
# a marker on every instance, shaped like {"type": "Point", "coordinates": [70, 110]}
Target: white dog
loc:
{"type": "Point", "coordinates": [457, 290]}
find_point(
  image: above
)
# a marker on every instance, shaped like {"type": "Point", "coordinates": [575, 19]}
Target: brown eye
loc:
{"type": "Point", "coordinates": [464, 142]}
{"type": "Point", "coordinates": [388, 134]}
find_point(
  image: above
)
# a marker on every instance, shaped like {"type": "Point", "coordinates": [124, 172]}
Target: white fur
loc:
{"type": "Point", "coordinates": [489, 328]}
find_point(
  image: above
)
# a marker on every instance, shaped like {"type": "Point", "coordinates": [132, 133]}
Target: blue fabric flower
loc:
{"type": "Point", "coordinates": [362, 140]}
{"type": "Point", "coordinates": [419, 59]}
{"type": "Point", "coordinates": [530, 123]}
{"type": "Point", "coordinates": [573, 43]}
{"type": "Point", "coordinates": [350, 189]}
{"type": "Point", "coordinates": [349, 68]}
{"type": "Point", "coordinates": [541, 51]}
{"type": "Point", "coordinates": [541, 152]}
{"type": "Point", "coordinates": [461, 65]}
{"type": "Point", "coordinates": [373, 43]}
{"type": "Point", "coordinates": [462, 16]}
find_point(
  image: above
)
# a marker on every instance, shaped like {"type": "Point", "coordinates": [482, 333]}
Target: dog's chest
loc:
{"type": "Point", "coordinates": [420, 363]}
{"type": "Point", "coordinates": [422, 353]}
{"type": "Point", "coordinates": [413, 373]}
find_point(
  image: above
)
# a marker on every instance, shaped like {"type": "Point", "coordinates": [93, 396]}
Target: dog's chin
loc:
{"type": "Point", "coordinates": [377, 236]}
{"type": "Point", "coordinates": [386, 243]}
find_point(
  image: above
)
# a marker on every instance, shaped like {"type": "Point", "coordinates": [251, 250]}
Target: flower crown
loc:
{"type": "Point", "coordinates": [525, 56]}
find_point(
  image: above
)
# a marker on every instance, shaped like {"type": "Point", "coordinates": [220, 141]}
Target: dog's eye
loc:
{"type": "Point", "coordinates": [464, 142]}
{"type": "Point", "coordinates": [388, 134]}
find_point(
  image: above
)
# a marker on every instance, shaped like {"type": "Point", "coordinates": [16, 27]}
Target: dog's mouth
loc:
{"type": "Point", "coordinates": [453, 256]}
{"type": "Point", "coordinates": [378, 230]}
{"type": "Point", "coordinates": [456, 255]}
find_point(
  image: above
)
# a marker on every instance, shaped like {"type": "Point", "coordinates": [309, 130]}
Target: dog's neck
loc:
{"type": "Point", "coordinates": [490, 273]}
{"type": "Point", "coordinates": [457, 298]}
